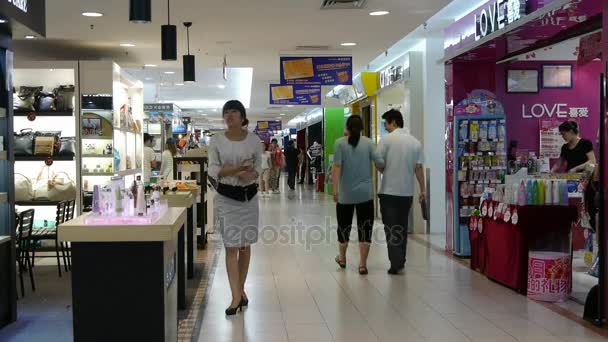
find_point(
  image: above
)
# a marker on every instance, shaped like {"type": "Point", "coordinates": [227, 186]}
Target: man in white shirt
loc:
{"type": "Point", "coordinates": [149, 157]}
{"type": "Point", "coordinates": [403, 158]}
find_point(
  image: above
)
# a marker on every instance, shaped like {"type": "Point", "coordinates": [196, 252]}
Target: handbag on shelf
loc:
{"type": "Point", "coordinates": [24, 142]}
{"type": "Point", "coordinates": [64, 96]}
{"type": "Point", "coordinates": [40, 186]}
{"type": "Point", "coordinates": [68, 146]}
{"type": "Point", "coordinates": [61, 187]}
{"type": "Point", "coordinates": [25, 99]}
{"type": "Point", "coordinates": [46, 143]}
{"type": "Point", "coordinates": [23, 188]}
{"type": "Point", "coordinates": [46, 102]}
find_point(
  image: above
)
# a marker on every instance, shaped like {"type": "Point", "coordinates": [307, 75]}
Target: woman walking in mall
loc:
{"type": "Point", "coordinates": [235, 162]}
{"type": "Point", "coordinates": [166, 165]}
{"type": "Point", "coordinates": [265, 176]}
{"type": "Point", "coordinates": [352, 185]}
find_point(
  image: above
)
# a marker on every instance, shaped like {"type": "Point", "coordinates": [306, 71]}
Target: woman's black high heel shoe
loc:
{"type": "Point", "coordinates": [244, 301]}
{"type": "Point", "coordinates": [233, 311]}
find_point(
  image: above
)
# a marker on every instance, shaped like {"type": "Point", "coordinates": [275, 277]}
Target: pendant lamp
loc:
{"type": "Point", "coordinates": [189, 60]}
{"type": "Point", "coordinates": [140, 11]}
{"type": "Point", "coordinates": [169, 38]}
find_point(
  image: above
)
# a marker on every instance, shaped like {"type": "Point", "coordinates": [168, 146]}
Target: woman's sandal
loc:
{"type": "Point", "coordinates": [342, 264]}
{"type": "Point", "coordinates": [362, 270]}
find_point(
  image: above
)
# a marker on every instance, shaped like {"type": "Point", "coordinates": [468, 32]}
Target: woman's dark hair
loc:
{"type": "Point", "coordinates": [238, 106]}
{"type": "Point", "coordinates": [395, 116]}
{"type": "Point", "coordinates": [170, 145]}
{"type": "Point", "coordinates": [148, 138]}
{"type": "Point", "coordinates": [569, 126]}
{"type": "Point", "coordinates": [354, 125]}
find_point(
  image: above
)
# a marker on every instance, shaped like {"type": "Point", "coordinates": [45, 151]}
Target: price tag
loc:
{"type": "Point", "coordinates": [515, 217]}
{"type": "Point", "coordinates": [48, 161]}
{"type": "Point", "coordinates": [31, 116]}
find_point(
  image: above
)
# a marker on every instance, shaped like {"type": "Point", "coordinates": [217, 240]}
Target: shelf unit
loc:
{"type": "Point", "coordinates": [43, 158]}
{"type": "Point", "coordinates": [46, 113]}
{"type": "Point", "coordinates": [50, 75]}
{"type": "Point", "coordinates": [114, 100]}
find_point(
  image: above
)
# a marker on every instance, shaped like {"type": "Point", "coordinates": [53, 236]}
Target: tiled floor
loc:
{"type": "Point", "coordinates": [297, 292]}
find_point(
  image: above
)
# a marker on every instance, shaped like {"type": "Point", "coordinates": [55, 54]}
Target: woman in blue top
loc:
{"type": "Point", "coordinates": [353, 190]}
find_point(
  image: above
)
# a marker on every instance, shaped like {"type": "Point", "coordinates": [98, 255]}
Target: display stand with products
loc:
{"type": "Point", "coordinates": [158, 122]}
{"type": "Point", "coordinates": [194, 169]}
{"type": "Point", "coordinates": [111, 128]}
{"type": "Point", "coordinates": [480, 151]}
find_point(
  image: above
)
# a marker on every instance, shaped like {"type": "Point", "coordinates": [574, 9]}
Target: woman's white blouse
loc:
{"type": "Point", "coordinates": [223, 151]}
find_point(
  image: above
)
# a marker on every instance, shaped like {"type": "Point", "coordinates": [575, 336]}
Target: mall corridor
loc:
{"type": "Point", "coordinates": [298, 293]}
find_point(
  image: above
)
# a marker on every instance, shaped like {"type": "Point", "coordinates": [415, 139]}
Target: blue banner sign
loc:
{"type": "Point", "coordinates": [297, 94]}
{"type": "Point", "coordinates": [329, 71]}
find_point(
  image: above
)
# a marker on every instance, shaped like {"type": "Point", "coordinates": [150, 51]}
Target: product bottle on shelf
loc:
{"type": "Point", "coordinates": [555, 187]}
{"type": "Point", "coordinates": [141, 200]}
{"type": "Point", "coordinates": [564, 200]}
{"type": "Point", "coordinates": [541, 192]}
{"type": "Point", "coordinates": [535, 193]}
{"type": "Point", "coordinates": [529, 193]}
{"type": "Point", "coordinates": [521, 200]}
{"type": "Point", "coordinates": [548, 192]}
{"type": "Point", "coordinates": [96, 201]}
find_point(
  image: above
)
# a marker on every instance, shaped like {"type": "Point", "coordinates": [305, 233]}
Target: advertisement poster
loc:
{"type": "Point", "coordinates": [330, 71]}
{"type": "Point", "coordinates": [267, 129]}
{"type": "Point", "coordinates": [550, 140]}
{"type": "Point", "coordinates": [297, 94]}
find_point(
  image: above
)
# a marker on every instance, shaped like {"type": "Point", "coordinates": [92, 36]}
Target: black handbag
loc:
{"type": "Point", "coordinates": [46, 102]}
{"type": "Point", "coordinates": [64, 96]}
{"type": "Point", "coordinates": [24, 142]}
{"type": "Point", "coordinates": [68, 146]}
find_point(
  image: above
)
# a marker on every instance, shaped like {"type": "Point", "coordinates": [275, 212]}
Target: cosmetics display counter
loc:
{"type": "Point", "coordinates": [129, 279]}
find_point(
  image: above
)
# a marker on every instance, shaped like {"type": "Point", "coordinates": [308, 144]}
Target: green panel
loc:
{"type": "Point", "coordinates": [334, 129]}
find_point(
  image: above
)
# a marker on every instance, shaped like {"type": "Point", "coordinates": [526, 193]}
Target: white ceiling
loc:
{"type": "Point", "coordinates": [253, 33]}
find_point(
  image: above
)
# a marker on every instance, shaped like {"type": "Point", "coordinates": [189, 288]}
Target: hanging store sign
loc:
{"type": "Point", "coordinates": [297, 94]}
{"type": "Point", "coordinates": [158, 107]}
{"type": "Point", "coordinates": [391, 75]}
{"type": "Point", "coordinates": [29, 13]}
{"type": "Point", "coordinates": [330, 71]}
{"type": "Point", "coordinates": [497, 16]}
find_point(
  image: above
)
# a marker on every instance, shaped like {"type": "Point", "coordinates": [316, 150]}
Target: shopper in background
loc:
{"type": "Point", "coordinates": [265, 176]}
{"type": "Point", "coordinates": [277, 162]}
{"type": "Point", "coordinates": [166, 165]}
{"type": "Point", "coordinates": [149, 157]}
{"type": "Point", "coordinates": [403, 157]}
{"type": "Point", "coordinates": [235, 163]}
{"type": "Point", "coordinates": [576, 153]}
{"type": "Point", "coordinates": [291, 161]}
{"type": "Point", "coordinates": [302, 168]}
{"type": "Point", "coordinates": [353, 190]}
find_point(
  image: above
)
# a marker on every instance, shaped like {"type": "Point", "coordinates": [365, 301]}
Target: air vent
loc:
{"type": "Point", "coordinates": [312, 48]}
{"type": "Point", "coordinates": [343, 4]}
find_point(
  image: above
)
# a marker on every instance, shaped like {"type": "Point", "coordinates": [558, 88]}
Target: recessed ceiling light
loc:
{"type": "Point", "coordinates": [204, 114]}
{"type": "Point", "coordinates": [379, 13]}
{"type": "Point", "coordinates": [92, 14]}
{"type": "Point", "coordinates": [169, 72]}
{"type": "Point", "coordinates": [221, 86]}
{"type": "Point", "coordinates": [127, 45]}
{"type": "Point", "coordinates": [29, 36]}
{"type": "Point", "coordinates": [348, 44]}
{"type": "Point", "coordinates": [150, 65]}
{"type": "Point", "coordinates": [179, 84]}
{"type": "Point", "coordinates": [289, 106]}
{"type": "Point", "coordinates": [282, 114]}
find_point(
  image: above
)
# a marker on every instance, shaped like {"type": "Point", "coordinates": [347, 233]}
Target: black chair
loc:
{"type": "Point", "coordinates": [23, 246]}
{"type": "Point", "coordinates": [70, 210]}
{"type": "Point", "coordinates": [50, 233]}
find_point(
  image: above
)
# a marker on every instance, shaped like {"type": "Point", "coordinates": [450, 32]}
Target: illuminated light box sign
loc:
{"type": "Point", "coordinates": [20, 4]}
{"type": "Point", "coordinates": [497, 16]}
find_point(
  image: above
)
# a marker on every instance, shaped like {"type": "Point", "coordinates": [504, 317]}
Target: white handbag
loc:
{"type": "Point", "coordinates": [61, 187]}
{"type": "Point", "coordinates": [23, 188]}
{"type": "Point", "coordinates": [40, 186]}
